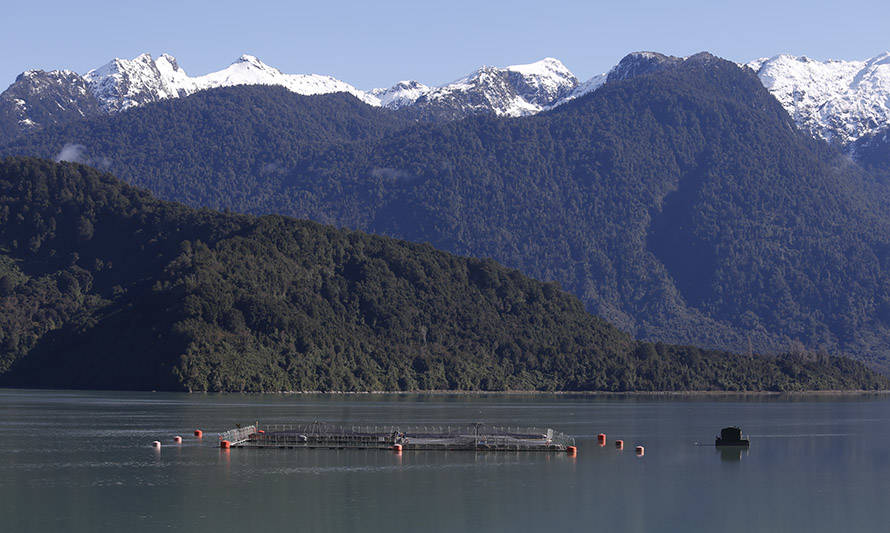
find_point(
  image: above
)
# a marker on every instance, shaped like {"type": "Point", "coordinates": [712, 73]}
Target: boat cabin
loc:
{"type": "Point", "coordinates": [731, 436]}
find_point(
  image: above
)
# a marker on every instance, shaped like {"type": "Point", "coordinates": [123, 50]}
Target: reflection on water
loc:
{"type": "Point", "coordinates": [82, 461]}
{"type": "Point", "coordinates": [732, 454]}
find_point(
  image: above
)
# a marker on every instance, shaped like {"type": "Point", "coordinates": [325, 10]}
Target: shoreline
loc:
{"type": "Point", "coordinates": [578, 393]}
{"type": "Point", "coordinates": [457, 393]}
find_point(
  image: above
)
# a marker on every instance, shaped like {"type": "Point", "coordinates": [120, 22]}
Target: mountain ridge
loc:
{"type": "Point", "coordinates": [838, 101]}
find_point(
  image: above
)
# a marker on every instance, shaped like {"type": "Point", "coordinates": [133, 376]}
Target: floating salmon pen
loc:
{"type": "Point", "coordinates": [470, 437]}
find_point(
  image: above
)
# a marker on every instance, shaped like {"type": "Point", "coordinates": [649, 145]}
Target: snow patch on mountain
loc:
{"type": "Point", "coordinates": [839, 101]}
{"type": "Point", "coordinates": [587, 87]}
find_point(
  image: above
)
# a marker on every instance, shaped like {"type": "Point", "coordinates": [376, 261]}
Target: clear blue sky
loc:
{"type": "Point", "coordinates": [376, 43]}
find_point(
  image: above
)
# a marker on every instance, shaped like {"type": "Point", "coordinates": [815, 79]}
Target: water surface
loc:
{"type": "Point", "coordinates": [83, 461]}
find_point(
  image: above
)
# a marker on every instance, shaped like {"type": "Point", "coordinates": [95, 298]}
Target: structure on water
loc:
{"type": "Point", "coordinates": [472, 437]}
{"type": "Point", "coordinates": [731, 436]}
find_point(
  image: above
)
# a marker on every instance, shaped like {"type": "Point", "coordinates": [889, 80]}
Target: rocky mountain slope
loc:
{"type": "Point", "coordinates": [39, 98]}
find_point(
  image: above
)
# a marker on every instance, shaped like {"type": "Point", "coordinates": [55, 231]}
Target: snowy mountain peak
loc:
{"type": "Point", "coordinates": [543, 82]}
{"type": "Point", "coordinates": [401, 94]}
{"type": "Point", "coordinates": [516, 90]}
{"type": "Point", "coordinates": [839, 101]}
{"type": "Point", "coordinates": [548, 66]}
{"type": "Point", "coordinates": [124, 83]}
{"type": "Point", "coordinates": [168, 60]}
{"type": "Point", "coordinates": [247, 61]}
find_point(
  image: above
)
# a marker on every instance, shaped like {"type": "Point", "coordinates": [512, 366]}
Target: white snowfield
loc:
{"type": "Point", "coordinates": [839, 101]}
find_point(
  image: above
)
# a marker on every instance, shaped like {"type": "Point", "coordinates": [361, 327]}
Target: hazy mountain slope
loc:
{"type": "Point", "coordinates": [224, 148]}
{"type": "Point", "coordinates": [103, 286]}
{"type": "Point", "coordinates": [655, 200]}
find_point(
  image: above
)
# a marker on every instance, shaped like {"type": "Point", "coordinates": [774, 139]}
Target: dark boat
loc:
{"type": "Point", "coordinates": [731, 436]}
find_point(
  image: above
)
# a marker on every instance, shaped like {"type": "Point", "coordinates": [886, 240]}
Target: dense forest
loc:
{"type": "Point", "coordinates": [873, 152]}
{"type": "Point", "coordinates": [103, 286]}
{"type": "Point", "coordinates": [681, 205]}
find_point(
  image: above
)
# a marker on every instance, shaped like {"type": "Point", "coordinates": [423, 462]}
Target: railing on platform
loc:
{"type": "Point", "coordinates": [430, 437]}
{"type": "Point", "coordinates": [238, 435]}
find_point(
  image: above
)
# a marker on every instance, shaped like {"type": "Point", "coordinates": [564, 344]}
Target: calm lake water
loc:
{"type": "Point", "coordinates": [82, 461]}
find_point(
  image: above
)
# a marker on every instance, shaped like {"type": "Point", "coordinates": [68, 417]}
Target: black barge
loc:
{"type": "Point", "coordinates": [731, 436]}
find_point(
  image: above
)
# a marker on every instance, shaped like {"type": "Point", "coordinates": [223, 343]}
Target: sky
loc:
{"type": "Point", "coordinates": [375, 44]}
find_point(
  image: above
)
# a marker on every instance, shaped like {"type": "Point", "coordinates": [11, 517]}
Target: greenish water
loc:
{"type": "Point", "coordinates": [82, 461]}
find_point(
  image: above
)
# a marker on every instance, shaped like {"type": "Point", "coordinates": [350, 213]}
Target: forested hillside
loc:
{"type": "Point", "coordinates": [873, 152]}
{"type": "Point", "coordinates": [220, 148]}
{"type": "Point", "coordinates": [103, 286]}
{"type": "Point", "coordinates": [682, 204]}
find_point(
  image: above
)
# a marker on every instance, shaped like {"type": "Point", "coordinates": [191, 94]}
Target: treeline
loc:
{"type": "Point", "coordinates": [104, 286]}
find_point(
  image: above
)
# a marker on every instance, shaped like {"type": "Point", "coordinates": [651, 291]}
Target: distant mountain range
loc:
{"type": "Point", "coordinates": [839, 101]}
{"type": "Point", "coordinates": [678, 200]}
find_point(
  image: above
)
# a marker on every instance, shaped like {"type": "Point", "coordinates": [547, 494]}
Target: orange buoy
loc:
{"type": "Point", "coordinates": [572, 450]}
{"type": "Point", "coordinates": [261, 432]}
{"type": "Point", "coordinates": [397, 448]}
{"type": "Point", "coordinates": [199, 433]}
{"type": "Point", "coordinates": [641, 451]}
{"type": "Point", "coordinates": [225, 445]}
{"type": "Point", "coordinates": [177, 439]}
{"type": "Point", "coordinates": [619, 444]}
{"type": "Point", "coordinates": [602, 439]}
{"type": "Point", "coordinates": [156, 444]}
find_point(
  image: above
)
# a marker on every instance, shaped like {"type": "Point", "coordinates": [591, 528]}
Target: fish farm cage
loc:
{"type": "Point", "coordinates": [471, 437]}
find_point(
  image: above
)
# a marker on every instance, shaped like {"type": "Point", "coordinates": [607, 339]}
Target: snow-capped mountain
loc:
{"type": "Point", "coordinates": [122, 83]}
{"type": "Point", "coordinates": [38, 98]}
{"type": "Point", "coordinates": [513, 91]}
{"type": "Point", "coordinates": [125, 83]}
{"type": "Point", "coordinates": [401, 94]}
{"type": "Point", "coordinates": [839, 101]}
